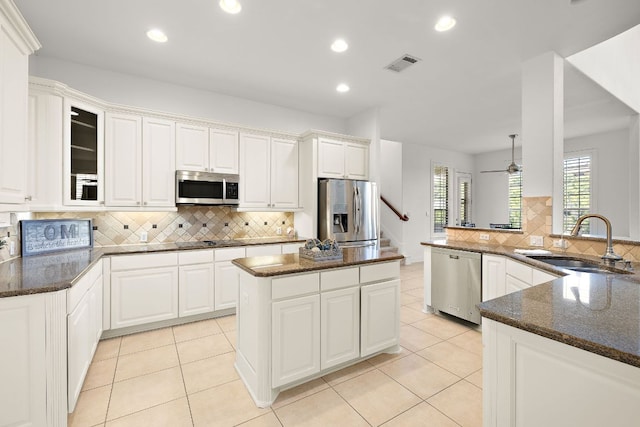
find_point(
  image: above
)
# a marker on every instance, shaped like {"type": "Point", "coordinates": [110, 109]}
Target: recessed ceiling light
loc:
{"type": "Point", "coordinates": [342, 88]}
{"type": "Point", "coordinates": [339, 45]}
{"type": "Point", "coordinates": [157, 35]}
{"type": "Point", "coordinates": [445, 23]}
{"type": "Point", "coordinates": [231, 6]}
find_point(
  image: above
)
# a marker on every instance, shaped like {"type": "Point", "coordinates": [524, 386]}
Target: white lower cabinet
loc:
{"type": "Point", "coordinates": [530, 380]}
{"type": "Point", "coordinates": [295, 327]}
{"type": "Point", "coordinates": [195, 282]}
{"type": "Point", "coordinates": [502, 276]}
{"type": "Point", "coordinates": [295, 339]}
{"type": "Point", "coordinates": [339, 326]}
{"type": "Point", "coordinates": [227, 277]}
{"type": "Point", "coordinates": [144, 289]}
{"type": "Point", "coordinates": [196, 294]}
{"type": "Point", "coordinates": [23, 395]}
{"type": "Point", "coordinates": [33, 360]}
{"type": "Point", "coordinates": [143, 296]}
{"type": "Point", "coordinates": [380, 316]}
{"type": "Point", "coordinates": [84, 328]}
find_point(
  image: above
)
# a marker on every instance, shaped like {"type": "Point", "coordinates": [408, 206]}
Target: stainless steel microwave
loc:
{"type": "Point", "coordinates": [204, 188]}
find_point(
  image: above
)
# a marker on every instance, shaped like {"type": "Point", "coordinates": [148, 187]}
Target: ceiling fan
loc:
{"type": "Point", "coordinates": [513, 167]}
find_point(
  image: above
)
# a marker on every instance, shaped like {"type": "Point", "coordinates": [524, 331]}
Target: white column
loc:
{"type": "Point", "coordinates": [542, 129]}
{"type": "Point", "coordinates": [634, 177]}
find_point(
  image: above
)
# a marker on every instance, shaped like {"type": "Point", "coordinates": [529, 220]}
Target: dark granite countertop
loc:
{"type": "Point", "coordinates": [599, 313]}
{"type": "Point", "coordinates": [60, 270]}
{"type": "Point", "coordinates": [277, 265]}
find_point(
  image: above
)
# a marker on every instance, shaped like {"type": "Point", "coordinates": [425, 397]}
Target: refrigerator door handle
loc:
{"type": "Point", "coordinates": [357, 209]}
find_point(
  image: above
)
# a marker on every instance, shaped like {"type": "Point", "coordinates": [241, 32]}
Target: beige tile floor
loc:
{"type": "Point", "coordinates": [184, 376]}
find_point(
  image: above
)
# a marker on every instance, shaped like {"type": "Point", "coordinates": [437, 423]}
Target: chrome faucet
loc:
{"type": "Point", "coordinates": [609, 256]}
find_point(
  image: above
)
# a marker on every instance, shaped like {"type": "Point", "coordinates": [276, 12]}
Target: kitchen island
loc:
{"type": "Point", "coordinates": [298, 319]}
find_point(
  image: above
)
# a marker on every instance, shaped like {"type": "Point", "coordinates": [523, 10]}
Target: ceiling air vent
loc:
{"type": "Point", "coordinates": [401, 63]}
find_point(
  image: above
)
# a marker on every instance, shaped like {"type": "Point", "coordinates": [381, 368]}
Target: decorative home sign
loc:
{"type": "Point", "coordinates": [50, 235]}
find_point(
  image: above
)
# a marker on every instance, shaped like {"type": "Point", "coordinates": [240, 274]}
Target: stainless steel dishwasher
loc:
{"type": "Point", "coordinates": [456, 283]}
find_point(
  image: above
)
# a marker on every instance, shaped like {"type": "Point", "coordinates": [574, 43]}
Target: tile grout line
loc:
{"type": "Point", "coordinates": [184, 385]}
{"type": "Point", "coordinates": [106, 414]}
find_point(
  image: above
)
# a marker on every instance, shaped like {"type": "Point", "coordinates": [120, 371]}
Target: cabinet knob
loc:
{"type": "Point", "coordinates": [138, 203]}
{"type": "Point", "coordinates": [145, 203]}
{"type": "Point", "coordinates": [27, 198]}
{"type": "Point", "coordinates": [102, 202]}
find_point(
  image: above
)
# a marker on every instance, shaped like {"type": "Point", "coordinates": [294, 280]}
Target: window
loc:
{"type": "Point", "coordinates": [464, 199]}
{"type": "Point", "coordinates": [515, 200]}
{"type": "Point", "coordinates": [577, 191]}
{"type": "Point", "coordinates": [440, 198]}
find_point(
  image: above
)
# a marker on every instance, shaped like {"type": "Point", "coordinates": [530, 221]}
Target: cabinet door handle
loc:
{"type": "Point", "coordinates": [454, 257]}
{"type": "Point", "coordinates": [27, 198]}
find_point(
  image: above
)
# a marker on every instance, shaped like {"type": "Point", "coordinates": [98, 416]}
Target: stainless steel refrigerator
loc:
{"type": "Point", "coordinates": [348, 211]}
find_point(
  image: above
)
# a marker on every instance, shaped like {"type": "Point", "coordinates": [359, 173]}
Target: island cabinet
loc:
{"type": "Point", "coordinates": [295, 327]}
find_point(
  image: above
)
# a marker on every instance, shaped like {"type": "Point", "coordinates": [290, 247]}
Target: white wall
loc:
{"type": "Point", "coordinates": [416, 194]}
{"type": "Point", "coordinates": [491, 190]}
{"type": "Point", "coordinates": [611, 177]}
{"type": "Point", "coordinates": [615, 65]}
{"type": "Point", "coordinates": [390, 186]}
{"type": "Point", "coordinates": [160, 96]}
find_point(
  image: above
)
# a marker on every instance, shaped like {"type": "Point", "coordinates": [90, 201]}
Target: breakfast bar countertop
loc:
{"type": "Point", "coordinates": [599, 313]}
{"type": "Point", "coordinates": [59, 270]}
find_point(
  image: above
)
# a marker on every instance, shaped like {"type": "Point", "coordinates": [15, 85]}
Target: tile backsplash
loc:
{"type": "Point", "coordinates": [537, 217]}
{"type": "Point", "coordinates": [189, 223]}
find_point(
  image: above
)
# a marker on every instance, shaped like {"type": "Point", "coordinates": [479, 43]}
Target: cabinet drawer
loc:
{"type": "Point", "coordinates": [77, 291]}
{"type": "Point", "coordinates": [376, 272]}
{"type": "Point", "coordinates": [519, 271]}
{"type": "Point", "coordinates": [262, 250]}
{"type": "Point", "coordinates": [195, 257]}
{"type": "Point", "coordinates": [229, 254]}
{"type": "Point", "coordinates": [286, 287]}
{"type": "Point", "coordinates": [136, 262]}
{"type": "Point", "coordinates": [336, 279]}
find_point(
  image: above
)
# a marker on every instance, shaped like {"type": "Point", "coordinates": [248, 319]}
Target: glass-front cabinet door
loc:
{"type": "Point", "coordinates": [84, 150]}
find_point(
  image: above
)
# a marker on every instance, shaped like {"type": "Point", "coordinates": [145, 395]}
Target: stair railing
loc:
{"type": "Point", "coordinates": [401, 217]}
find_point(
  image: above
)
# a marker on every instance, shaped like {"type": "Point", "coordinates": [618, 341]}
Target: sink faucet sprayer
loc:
{"type": "Point", "coordinates": [609, 255]}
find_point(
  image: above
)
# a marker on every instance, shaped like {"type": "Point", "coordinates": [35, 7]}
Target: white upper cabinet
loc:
{"type": "Point", "coordinates": [139, 161]}
{"type": "Point", "coordinates": [192, 148]}
{"type": "Point", "coordinates": [45, 150]}
{"type": "Point", "coordinates": [158, 163]}
{"type": "Point", "coordinates": [16, 44]}
{"type": "Point", "coordinates": [338, 159]}
{"type": "Point", "coordinates": [268, 172]}
{"type": "Point", "coordinates": [356, 161]}
{"type": "Point", "coordinates": [223, 151]}
{"type": "Point", "coordinates": [255, 171]}
{"type": "Point", "coordinates": [201, 149]}
{"type": "Point", "coordinates": [83, 151]}
{"type": "Point", "coordinates": [284, 173]}
{"type": "Point", "coordinates": [123, 160]}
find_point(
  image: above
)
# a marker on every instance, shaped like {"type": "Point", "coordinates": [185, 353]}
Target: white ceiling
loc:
{"type": "Point", "coordinates": [464, 95]}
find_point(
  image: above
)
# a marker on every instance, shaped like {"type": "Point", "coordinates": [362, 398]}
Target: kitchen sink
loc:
{"type": "Point", "coordinates": [581, 265]}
